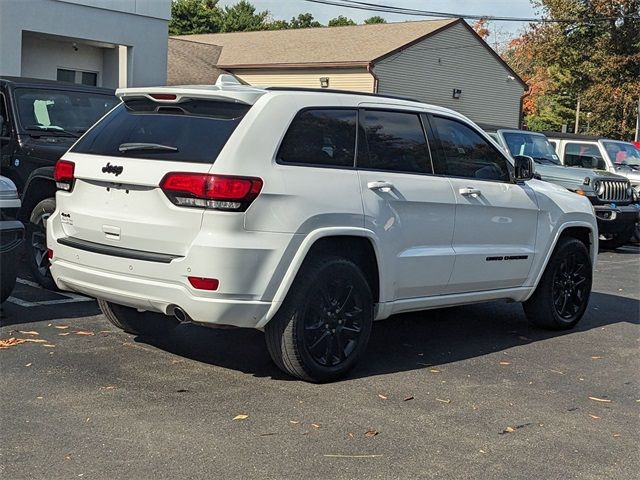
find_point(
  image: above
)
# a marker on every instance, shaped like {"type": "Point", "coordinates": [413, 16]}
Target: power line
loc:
{"type": "Point", "coordinates": [375, 7]}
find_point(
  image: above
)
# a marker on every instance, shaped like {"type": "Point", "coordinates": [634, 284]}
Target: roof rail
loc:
{"type": "Point", "coordinates": [347, 92]}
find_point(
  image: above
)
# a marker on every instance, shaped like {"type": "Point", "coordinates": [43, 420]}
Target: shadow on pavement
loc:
{"type": "Point", "coordinates": [441, 336]}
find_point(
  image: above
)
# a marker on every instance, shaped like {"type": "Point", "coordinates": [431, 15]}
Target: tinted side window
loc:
{"type": "Point", "coordinates": [395, 141]}
{"type": "Point", "coordinates": [583, 155]}
{"type": "Point", "coordinates": [467, 153]}
{"type": "Point", "coordinates": [4, 129]}
{"type": "Point", "coordinates": [320, 137]}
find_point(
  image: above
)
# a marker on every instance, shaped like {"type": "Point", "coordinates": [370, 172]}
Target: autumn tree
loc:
{"type": "Point", "coordinates": [591, 54]}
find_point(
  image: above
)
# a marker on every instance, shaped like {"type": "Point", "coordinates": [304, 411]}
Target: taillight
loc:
{"type": "Point", "coordinates": [218, 192]}
{"type": "Point", "coordinates": [63, 174]}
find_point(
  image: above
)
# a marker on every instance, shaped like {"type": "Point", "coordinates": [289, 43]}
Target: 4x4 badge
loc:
{"type": "Point", "coordinates": [108, 168]}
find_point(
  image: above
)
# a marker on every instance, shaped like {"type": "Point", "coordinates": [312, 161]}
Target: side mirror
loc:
{"type": "Point", "coordinates": [524, 168]}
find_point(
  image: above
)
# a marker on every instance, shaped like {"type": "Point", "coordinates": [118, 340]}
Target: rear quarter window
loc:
{"type": "Point", "coordinates": [320, 137]}
{"type": "Point", "coordinates": [191, 131]}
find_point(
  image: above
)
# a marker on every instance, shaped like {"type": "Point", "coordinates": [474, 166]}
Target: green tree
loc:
{"type": "Point", "coordinates": [304, 20]}
{"type": "Point", "coordinates": [341, 21]}
{"type": "Point", "coordinates": [374, 19]}
{"type": "Point", "coordinates": [242, 17]}
{"type": "Point", "coordinates": [195, 16]}
{"type": "Point", "coordinates": [592, 60]}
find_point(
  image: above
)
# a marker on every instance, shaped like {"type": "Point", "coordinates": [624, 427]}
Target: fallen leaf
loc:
{"type": "Point", "coordinates": [371, 433]}
{"type": "Point", "coordinates": [443, 401]}
{"type": "Point", "coordinates": [406, 399]}
{"type": "Point", "coordinates": [603, 400]}
{"type": "Point", "coordinates": [595, 358]}
{"type": "Point", "coordinates": [61, 327]}
{"type": "Point", "coordinates": [382, 397]}
{"type": "Point", "coordinates": [11, 342]}
{"type": "Point", "coordinates": [28, 364]}
{"type": "Point", "coordinates": [295, 422]}
{"type": "Point", "coordinates": [595, 417]}
{"type": "Point", "coordinates": [315, 425]}
{"type": "Point", "coordinates": [509, 430]}
{"type": "Point", "coordinates": [39, 398]}
{"type": "Point", "coordinates": [505, 363]}
{"type": "Point", "coordinates": [87, 420]}
{"type": "Point", "coordinates": [29, 332]}
{"type": "Point", "coordinates": [351, 435]}
{"type": "Point", "coordinates": [64, 334]}
{"type": "Point", "coordinates": [84, 333]}
{"type": "Point", "coordinates": [616, 435]}
{"type": "Point", "coordinates": [34, 340]}
{"type": "Point", "coordinates": [434, 370]}
{"type": "Point", "coordinates": [241, 417]}
{"type": "Point", "coordinates": [482, 451]}
{"type": "Point", "coordinates": [351, 456]}
{"type": "Point", "coordinates": [48, 345]}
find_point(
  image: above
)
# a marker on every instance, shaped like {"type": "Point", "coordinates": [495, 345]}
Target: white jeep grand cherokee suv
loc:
{"type": "Point", "coordinates": [308, 214]}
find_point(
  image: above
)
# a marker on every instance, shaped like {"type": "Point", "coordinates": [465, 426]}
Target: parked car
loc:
{"type": "Point", "coordinates": [614, 156]}
{"type": "Point", "coordinates": [39, 121]}
{"type": "Point", "coordinates": [308, 214]}
{"type": "Point", "coordinates": [615, 204]}
{"type": "Point", "coordinates": [11, 237]}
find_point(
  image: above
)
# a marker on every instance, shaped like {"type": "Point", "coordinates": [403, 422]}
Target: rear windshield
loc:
{"type": "Point", "coordinates": [191, 131]}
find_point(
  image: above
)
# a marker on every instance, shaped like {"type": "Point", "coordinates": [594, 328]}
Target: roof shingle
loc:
{"type": "Point", "coordinates": [333, 45]}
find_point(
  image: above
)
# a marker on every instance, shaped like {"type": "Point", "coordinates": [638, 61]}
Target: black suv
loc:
{"type": "Point", "coordinates": [39, 121]}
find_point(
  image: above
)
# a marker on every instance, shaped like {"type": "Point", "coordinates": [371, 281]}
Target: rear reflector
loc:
{"type": "Point", "coordinates": [63, 174]}
{"type": "Point", "coordinates": [211, 191]}
{"type": "Point", "coordinates": [204, 283]}
{"type": "Point", "coordinates": [49, 253]}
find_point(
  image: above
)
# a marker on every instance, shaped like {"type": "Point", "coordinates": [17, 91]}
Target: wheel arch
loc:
{"type": "Point", "coordinates": [357, 244]}
{"type": "Point", "coordinates": [582, 231]}
{"type": "Point", "coordinates": [39, 186]}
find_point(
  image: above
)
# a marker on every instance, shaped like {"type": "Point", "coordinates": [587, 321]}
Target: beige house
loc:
{"type": "Point", "coordinates": [443, 62]}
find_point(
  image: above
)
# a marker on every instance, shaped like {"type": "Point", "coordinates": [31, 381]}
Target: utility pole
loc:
{"type": "Point", "coordinates": [638, 122]}
{"type": "Point", "coordinates": [577, 116]}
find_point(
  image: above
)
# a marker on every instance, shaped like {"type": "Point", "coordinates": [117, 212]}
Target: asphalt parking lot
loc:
{"type": "Point", "coordinates": [468, 392]}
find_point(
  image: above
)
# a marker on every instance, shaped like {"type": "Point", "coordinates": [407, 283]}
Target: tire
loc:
{"type": "Point", "coordinates": [137, 323]}
{"type": "Point", "coordinates": [324, 324]}
{"type": "Point", "coordinates": [36, 243]}
{"type": "Point", "coordinates": [562, 295]}
{"type": "Point", "coordinates": [617, 240]}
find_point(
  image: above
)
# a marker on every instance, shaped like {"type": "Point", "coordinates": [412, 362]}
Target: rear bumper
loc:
{"type": "Point", "coordinates": [248, 265]}
{"type": "Point", "coordinates": [613, 220]}
{"type": "Point", "coordinates": [156, 295]}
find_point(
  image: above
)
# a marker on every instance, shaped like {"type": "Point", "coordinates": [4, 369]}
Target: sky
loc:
{"type": "Point", "coordinates": [285, 9]}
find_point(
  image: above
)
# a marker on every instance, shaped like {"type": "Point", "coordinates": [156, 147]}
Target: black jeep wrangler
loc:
{"type": "Point", "coordinates": [39, 121]}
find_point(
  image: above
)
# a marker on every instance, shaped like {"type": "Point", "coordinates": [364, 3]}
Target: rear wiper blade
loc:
{"type": "Point", "coordinates": [127, 147]}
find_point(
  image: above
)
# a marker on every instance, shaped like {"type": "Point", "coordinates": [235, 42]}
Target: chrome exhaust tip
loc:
{"type": "Point", "coordinates": [181, 315]}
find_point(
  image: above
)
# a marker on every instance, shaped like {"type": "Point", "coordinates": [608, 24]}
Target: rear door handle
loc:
{"type": "Point", "coordinates": [381, 185]}
{"type": "Point", "coordinates": [470, 191]}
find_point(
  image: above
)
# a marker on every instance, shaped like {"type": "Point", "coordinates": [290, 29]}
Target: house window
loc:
{"type": "Point", "coordinates": [76, 76]}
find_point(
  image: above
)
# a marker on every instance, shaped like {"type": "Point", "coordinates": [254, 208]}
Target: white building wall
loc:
{"type": "Point", "coordinates": [41, 58]}
{"type": "Point", "coordinates": [140, 25]}
{"type": "Point", "coordinates": [454, 58]}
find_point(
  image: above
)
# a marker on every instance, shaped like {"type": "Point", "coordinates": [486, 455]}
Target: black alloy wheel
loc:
{"type": "Point", "coordinates": [570, 289]}
{"type": "Point", "coordinates": [332, 321]}
{"type": "Point", "coordinates": [323, 327]}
